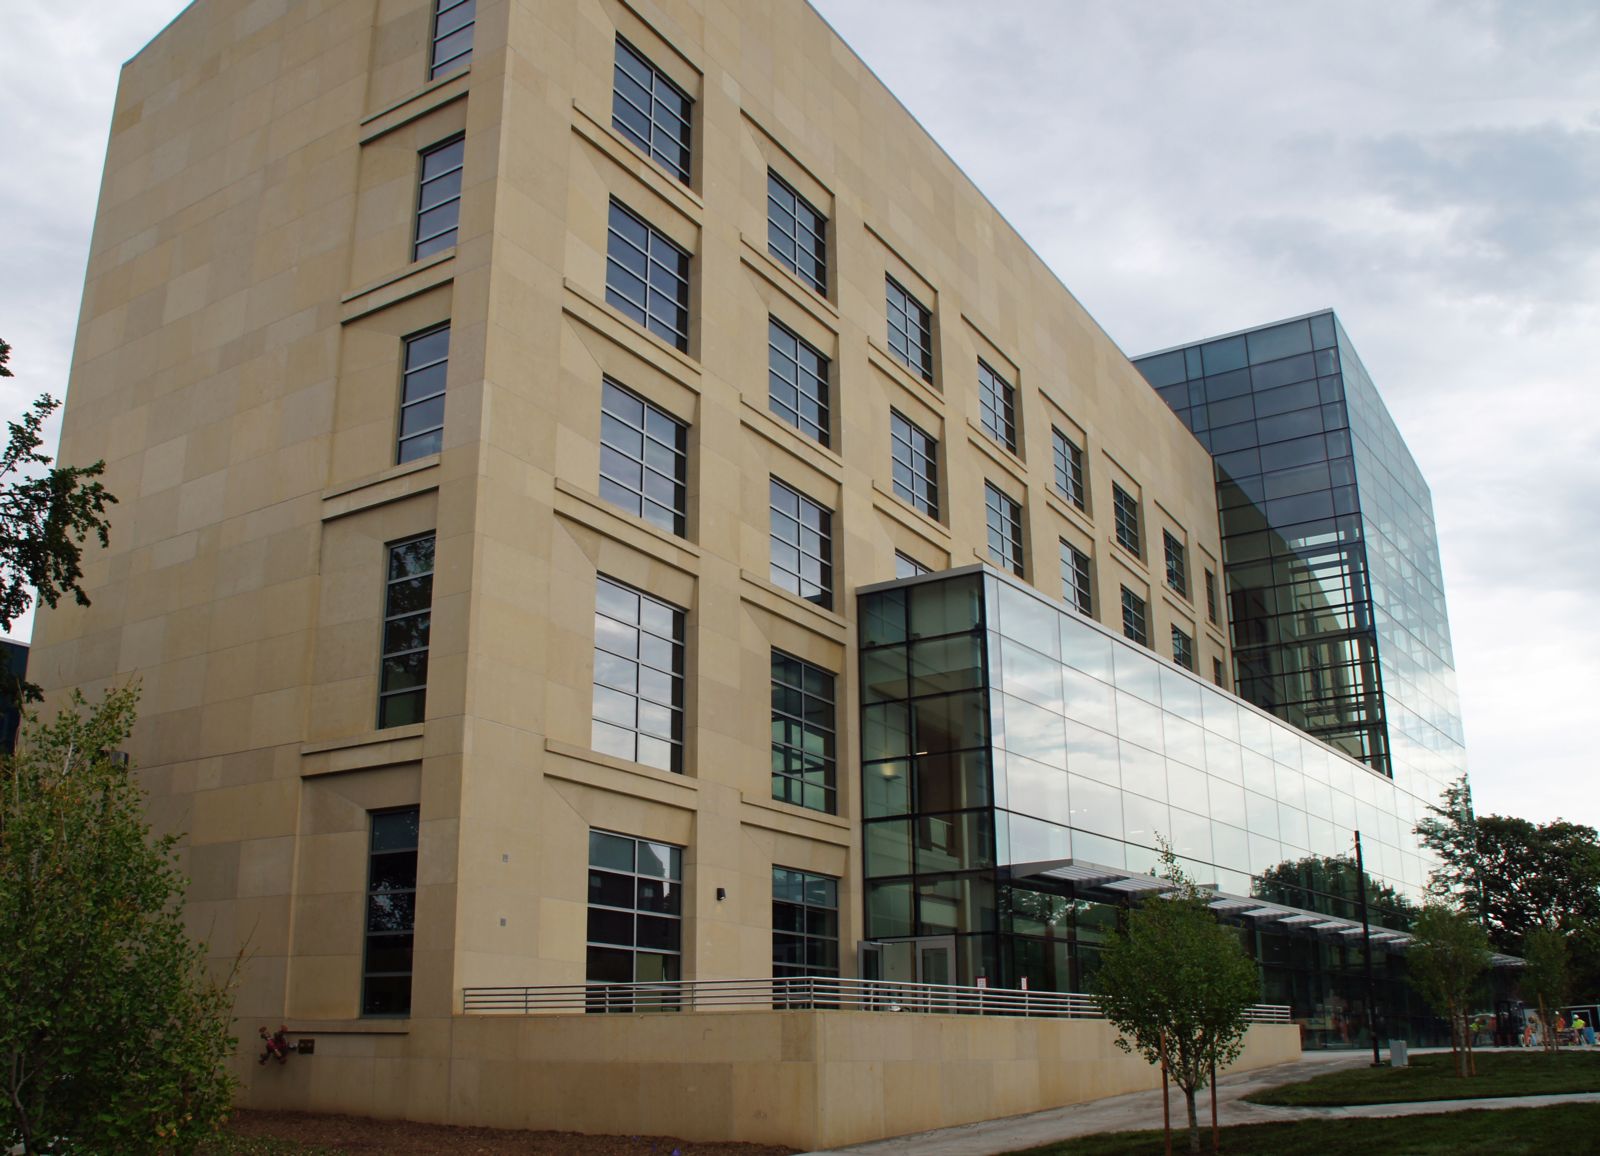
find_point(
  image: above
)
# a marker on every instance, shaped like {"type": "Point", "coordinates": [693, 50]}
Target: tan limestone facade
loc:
{"type": "Point", "coordinates": [258, 287]}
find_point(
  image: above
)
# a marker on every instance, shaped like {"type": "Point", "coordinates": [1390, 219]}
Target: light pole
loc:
{"type": "Point", "coordinates": [1366, 944]}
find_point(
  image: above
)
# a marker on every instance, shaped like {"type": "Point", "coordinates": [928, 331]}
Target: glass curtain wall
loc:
{"type": "Point", "coordinates": [1004, 735]}
{"type": "Point", "coordinates": [1330, 556]}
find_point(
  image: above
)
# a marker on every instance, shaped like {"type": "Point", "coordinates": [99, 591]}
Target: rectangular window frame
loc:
{"type": "Point", "coordinates": [437, 193]}
{"type": "Point", "coordinates": [798, 382]}
{"type": "Point", "coordinates": [804, 708]}
{"type": "Point", "coordinates": [1135, 618]}
{"type": "Point", "coordinates": [1003, 517]}
{"type": "Point", "coordinates": [659, 746]}
{"type": "Point", "coordinates": [450, 19]}
{"type": "Point", "coordinates": [801, 914]}
{"type": "Point", "coordinates": [1177, 563]}
{"type": "Point", "coordinates": [421, 618]}
{"type": "Point", "coordinates": [667, 136]}
{"type": "Point", "coordinates": [1069, 468]}
{"type": "Point", "coordinates": [914, 464]}
{"type": "Point", "coordinates": [800, 544]}
{"type": "Point", "coordinates": [905, 566]}
{"type": "Point", "coordinates": [1182, 648]}
{"type": "Point", "coordinates": [802, 248]}
{"type": "Point", "coordinates": [910, 329]}
{"type": "Point", "coordinates": [1125, 513]}
{"type": "Point", "coordinates": [423, 440]}
{"type": "Point", "coordinates": [1211, 597]}
{"type": "Point", "coordinates": [376, 900]}
{"type": "Point", "coordinates": [997, 406]}
{"type": "Point", "coordinates": [667, 266]}
{"type": "Point", "coordinates": [656, 897]}
{"type": "Point", "coordinates": [618, 434]}
{"type": "Point", "coordinates": [1077, 588]}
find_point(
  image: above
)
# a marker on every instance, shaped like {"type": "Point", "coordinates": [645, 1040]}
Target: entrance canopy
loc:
{"type": "Point", "coordinates": [1115, 884]}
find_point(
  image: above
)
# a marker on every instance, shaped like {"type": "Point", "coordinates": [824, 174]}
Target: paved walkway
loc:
{"type": "Point", "coordinates": [1142, 1110]}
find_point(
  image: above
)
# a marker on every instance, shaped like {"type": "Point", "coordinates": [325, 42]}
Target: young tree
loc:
{"type": "Point", "coordinates": [47, 512]}
{"type": "Point", "coordinates": [1448, 955]}
{"type": "Point", "coordinates": [1546, 978]}
{"type": "Point", "coordinates": [112, 1036]}
{"type": "Point", "coordinates": [1177, 986]}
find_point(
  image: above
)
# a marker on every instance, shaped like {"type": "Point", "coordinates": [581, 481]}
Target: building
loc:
{"type": "Point", "coordinates": [1336, 598]}
{"type": "Point", "coordinates": [527, 421]}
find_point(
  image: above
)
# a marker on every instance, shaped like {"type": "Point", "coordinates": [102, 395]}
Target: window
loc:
{"type": "Point", "coordinates": [1133, 617]}
{"type": "Point", "coordinates": [650, 111]}
{"type": "Point", "coordinates": [407, 610]}
{"type": "Point", "coordinates": [422, 393]}
{"type": "Point", "coordinates": [638, 677]}
{"type": "Point", "coordinates": [915, 464]}
{"type": "Point", "coordinates": [635, 932]}
{"type": "Point", "coordinates": [439, 198]}
{"type": "Point", "coordinates": [802, 734]}
{"type": "Point", "coordinates": [1005, 529]}
{"type": "Point", "coordinates": [1211, 596]}
{"type": "Point", "coordinates": [391, 912]}
{"type": "Point", "coordinates": [1069, 468]}
{"type": "Point", "coordinates": [797, 382]}
{"type": "Point", "coordinates": [647, 277]}
{"type": "Point", "coordinates": [1182, 649]}
{"type": "Point", "coordinates": [1216, 672]}
{"type": "Point", "coordinates": [802, 545]}
{"type": "Point", "coordinates": [1177, 570]}
{"type": "Point", "coordinates": [910, 330]}
{"type": "Point", "coordinates": [906, 566]}
{"type": "Point", "coordinates": [1126, 509]}
{"type": "Point", "coordinates": [643, 458]}
{"type": "Point", "coordinates": [1075, 579]}
{"type": "Point", "coordinates": [797, 234]}
{"type": "Point", "coordinates": [997, 403]}
{"type": "Point", "coordinates": [805, 924]}
{"type": "Point", "coordinates": [452, 35]}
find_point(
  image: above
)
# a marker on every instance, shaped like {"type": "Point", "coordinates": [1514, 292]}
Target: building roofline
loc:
{"type": "Point", "coordinates": [161, 32]}
{"type": "Point", "coordinates": [983, 196]}
{"type": "Point", "coordinates": [1235, 333]}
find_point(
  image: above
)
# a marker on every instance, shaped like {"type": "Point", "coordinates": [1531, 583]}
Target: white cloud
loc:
{"type": "Point", "coordinates": [1430, 171]}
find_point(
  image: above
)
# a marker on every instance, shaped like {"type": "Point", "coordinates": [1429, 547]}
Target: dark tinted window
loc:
{"type": "Point", "coordinates": [643, 458]}
{"type": "Point", "coordinates": [797, 233]}
{"type": "Point", "coordinates": [910, 330]}
{"type": "Point", "coordinates": [647, 277]}
{"type": "Point", "coordinates": [650, 110]}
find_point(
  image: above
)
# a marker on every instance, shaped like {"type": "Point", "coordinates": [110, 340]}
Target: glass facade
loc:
{"type": "Point", "coordinates": [1330, 555]}
{"type": "Point", "coordinates": [1019, 759]}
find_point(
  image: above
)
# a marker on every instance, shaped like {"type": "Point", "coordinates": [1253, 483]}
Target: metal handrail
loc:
{"type": "Point", "coordinates": [798, 993]}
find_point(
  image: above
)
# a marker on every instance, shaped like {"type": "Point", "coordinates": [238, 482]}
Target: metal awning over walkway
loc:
{"type": "Point", "coordinates": [1113, 884]}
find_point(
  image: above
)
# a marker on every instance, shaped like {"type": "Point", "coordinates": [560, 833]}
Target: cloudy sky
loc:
{"type": "Point", "coordinates": [1429, 170]}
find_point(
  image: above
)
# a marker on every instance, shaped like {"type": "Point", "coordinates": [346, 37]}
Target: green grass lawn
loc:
{"type": "Point", "coordinates": [1560, 1128]}
{"type": "Point", "coordinates": [1520, 1073]}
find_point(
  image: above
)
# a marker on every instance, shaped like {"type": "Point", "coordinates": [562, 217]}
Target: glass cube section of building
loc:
{"type": "Point", "coordinates": [1330, 555]}
{"type": "Point", "coordinates": [1021, 766]}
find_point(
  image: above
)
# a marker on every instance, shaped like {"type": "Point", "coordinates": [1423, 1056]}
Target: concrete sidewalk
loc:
{"type": "Point", "coordinates": [1142, 1110]}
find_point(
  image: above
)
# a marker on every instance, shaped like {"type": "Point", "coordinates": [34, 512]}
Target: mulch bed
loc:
{"type": "Point", "coordinates": [357, 1134]}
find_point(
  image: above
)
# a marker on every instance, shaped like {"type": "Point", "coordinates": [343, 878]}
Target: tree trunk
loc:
{"type": "Point", "coordinates": [1194, 1123]}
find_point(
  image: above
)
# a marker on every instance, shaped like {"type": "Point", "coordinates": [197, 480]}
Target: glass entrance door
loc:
{"type": "Point", "coordinates": [912, 962]}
